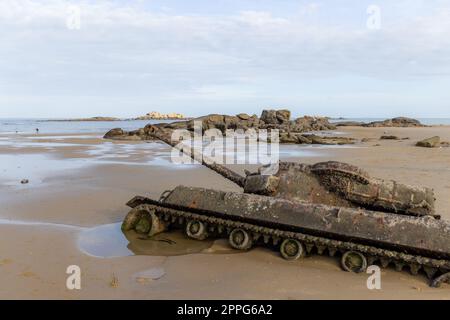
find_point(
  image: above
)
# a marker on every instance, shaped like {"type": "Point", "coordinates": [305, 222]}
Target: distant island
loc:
{"type": "Point", "coordinates": [154, 115]}
{"type": "Point", "coordinates": [84, 119]}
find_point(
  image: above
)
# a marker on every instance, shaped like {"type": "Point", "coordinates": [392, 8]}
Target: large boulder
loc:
{"type": "Point", "coordinates": [269, 116]}
{"type": "Point", "coordinates": [283, 116]}
{"type": "Point", "coordinates": [116, 132]}
{"type": "Point", "coordinates": [276, 116]}
{"type": "Point", "coordinates": [432, 142]}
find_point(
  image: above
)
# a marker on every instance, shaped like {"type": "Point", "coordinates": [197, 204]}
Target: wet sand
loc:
{"type": "Point", "coordinates": [68, 213]}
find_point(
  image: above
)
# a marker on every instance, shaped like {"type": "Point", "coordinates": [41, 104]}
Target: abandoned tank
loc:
{"type": "Point", "coordinates": [302, 209]}
{"type": "Point", "coordinates": [297, 228]}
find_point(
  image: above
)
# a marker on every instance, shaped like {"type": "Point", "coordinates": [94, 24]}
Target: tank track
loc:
{"type": "Point", "coordinates": [313, 244]}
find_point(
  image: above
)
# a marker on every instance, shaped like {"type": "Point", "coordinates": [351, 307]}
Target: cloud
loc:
{"type": "Point", "coordinates": [126, 51]}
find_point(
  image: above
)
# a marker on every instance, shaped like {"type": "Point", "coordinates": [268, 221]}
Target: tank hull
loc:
{"type": "Point", "coordinates": [425, 236]}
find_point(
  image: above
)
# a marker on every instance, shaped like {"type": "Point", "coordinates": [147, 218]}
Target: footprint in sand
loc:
{"type": "Point", "coordinates": [147, 276]}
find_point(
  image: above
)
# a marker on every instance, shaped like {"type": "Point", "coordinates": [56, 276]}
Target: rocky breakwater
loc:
{"type": "Point", "coordinates": [290, 131]}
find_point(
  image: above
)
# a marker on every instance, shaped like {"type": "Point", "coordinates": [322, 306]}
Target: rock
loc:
{"type": "Point", "coordinates": [331, 140]}
{"type": "Point", "coordinates": [432, 142]}
{"type": "Point", "coordinates": [303, 139]}
{"type": "Point", "coordinates": [396, 122]}
{"type": "Point", "coordinates": [349, 124]}
{"type": "Point", "coordinates": [119, 134]}
{"type": "Point", "coordinates": [283, 116]}
{"type": "Point", "coordinates": [288, 137]}
{"type": "Point", "coordinates": [243, 116]}
{"type": "Point", "coordinates": [269, 116]}
{"type": "Point", "coordinates": [366, 139]}
{"type": "Point", "coordinates": [445, 144]}
{"type": "Point", "coordinates": [307, 123]}
{"type": "Point", "coordinates": [24, 181]}
{"type": "Point", "coordinates": [270, 119]}
{"type": "Point", "coordinates": [114, 133]}
{"type": "Point", "coordinates": [389, 138]}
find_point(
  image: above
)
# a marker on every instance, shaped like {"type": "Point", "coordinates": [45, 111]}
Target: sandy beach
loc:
{"type": "Point", "coordinates": [70, 212]}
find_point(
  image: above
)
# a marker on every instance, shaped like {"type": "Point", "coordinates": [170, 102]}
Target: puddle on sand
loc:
{"type": "Point", "coordinates": [108, 241]}
{"type": "Point", "coordinates": [34, 167]}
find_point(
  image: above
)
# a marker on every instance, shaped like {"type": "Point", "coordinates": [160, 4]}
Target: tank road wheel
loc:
{"type": "Point", "coordinates": [291, 249]}
{"type": "Point", "coordinates": [353, 261]}
{"type": "Point", "coordinates": [445, 278]}
{"type": "Point", "coordinates": [240, 239]}
{"type": "Point", "coordinates": [143, 220]}
{"type": "Point", "coordinates": [196, 230]}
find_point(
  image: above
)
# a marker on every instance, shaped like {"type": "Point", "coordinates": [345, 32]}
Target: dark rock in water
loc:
{"type": "Point", "coordinates": [24, 181]}
{"type": "Point", "coordinates": [114, 133]}
{"type": "Point", "coordinates": [389, 138]}
{"type": "Point", "coordinates": [432, 142]}
{"type": "Point", "coordinates": [396, 122]}
{"type": "Point", "coordinates": [119, 134]}
{"type": "Point", "coordinates": [349, 124]}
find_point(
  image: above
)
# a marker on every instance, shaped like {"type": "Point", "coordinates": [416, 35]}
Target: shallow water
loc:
{"type": "Point", "coordinates": [34, 167]}
{"type": "Point", "coordinates": [108, 241]}
{"type": "Point", "coordinates": [8, 126]}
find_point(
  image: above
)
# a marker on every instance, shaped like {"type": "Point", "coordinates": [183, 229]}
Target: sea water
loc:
{"type": "Point", "coordinates": [27, 126]}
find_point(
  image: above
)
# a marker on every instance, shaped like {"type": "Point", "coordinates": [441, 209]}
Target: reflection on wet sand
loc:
{"type": "Point", "coordinates": [107, 241]}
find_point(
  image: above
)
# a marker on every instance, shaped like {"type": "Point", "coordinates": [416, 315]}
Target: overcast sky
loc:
{"type": "Point", "coordinates": [224, 56]}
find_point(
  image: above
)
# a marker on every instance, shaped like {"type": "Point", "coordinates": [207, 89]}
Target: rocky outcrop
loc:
{"type": "Point", "coordinates": [402, 122]}
{"type": "Point", "coordinates": [290, 130]}
{"type": "Point", "coordinates": [396, 122]}
{"type": "Point", "coordinates": [154, 115]}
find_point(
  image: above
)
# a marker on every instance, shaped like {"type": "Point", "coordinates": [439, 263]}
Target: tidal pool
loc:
{"type": "Point", "coordinates": [108, 241]}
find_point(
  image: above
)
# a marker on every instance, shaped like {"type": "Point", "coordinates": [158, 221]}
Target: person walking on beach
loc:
{"type": "Point", "coordinates": [37, 130]}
